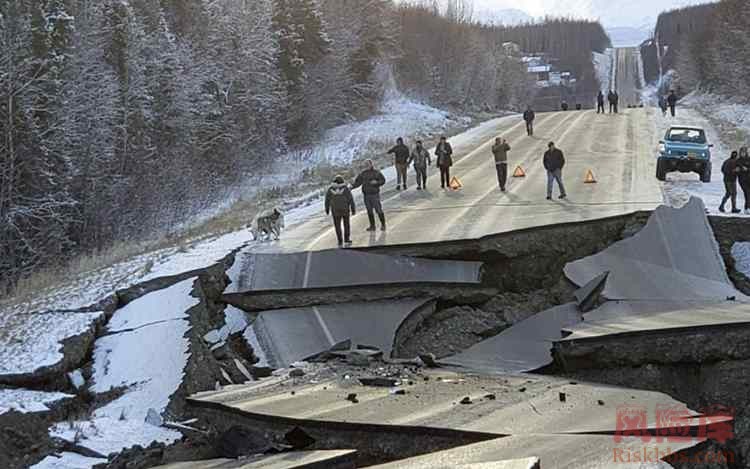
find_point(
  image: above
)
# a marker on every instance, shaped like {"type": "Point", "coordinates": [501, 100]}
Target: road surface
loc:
{"type": "Point", "coordinates": [618, 149]}
{"type": "Point", "coordinates": [627, 74]}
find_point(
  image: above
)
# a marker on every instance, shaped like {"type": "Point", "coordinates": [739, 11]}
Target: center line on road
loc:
{"type": "Point", "coordinates": [326, 331]}
{"type": "Point", "coordinates": [306, 278]}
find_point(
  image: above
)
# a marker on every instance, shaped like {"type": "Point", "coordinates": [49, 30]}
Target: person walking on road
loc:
{"type": "Point", "coordinates": [729, 169]}
{"type": "Point", "coordinates": [743, 175]}
{"type": "Point", "coordinates": [444, 153]}
{"type": "Point", "coordinates": [500, 150]}
{"type": "Point", "coordinates": [554, 161]}
{"type": "Point", "coordinates": [529, 117]}
{"type": "Point", "coordinates": [663, 105]}
{"type": "Point", "coordinates": [672, 102]}
{"type": "Point", "coordinates": [371, 181]}
{"type": "Point", "coordinates": [340, 203]}
{"type": "Point", "coordinates": [421, 158]}
{"type": "Point", "coordinates": [401, 153]}
{"type": "Point", "coordinates": [600, 103]}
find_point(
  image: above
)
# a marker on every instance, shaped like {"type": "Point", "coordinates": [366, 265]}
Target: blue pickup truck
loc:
{"type": "Point", "coordinates": [684, 149]}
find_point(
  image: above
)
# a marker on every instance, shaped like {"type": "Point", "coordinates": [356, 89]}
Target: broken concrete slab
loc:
{"type": "Point", "coordinates": [262, 300]}
{"type": "Point", "coordinates": [555, 451]}
{"type": "Point", "coordinates": [674, 257]}
{"type": "Point", "coordinates": [520, 405]}
{"type": "Point", "coordinates": [291, 335]}
{"type": "Point", "coordinates": [523, 347]}
{"type": "Point", "coordinates": [633, 317]}
{"type": "Point", "coordinates": [333, 459]}
{"type": "Point", "coordinates": [589, 295]}
{"type": "Point", "coordinates": [338, 268]}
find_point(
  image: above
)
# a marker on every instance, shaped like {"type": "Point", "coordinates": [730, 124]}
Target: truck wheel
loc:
{"type": "Point", "coordinates": [706, 175]}
{"type": "Point", "coordinates": [661, 172]}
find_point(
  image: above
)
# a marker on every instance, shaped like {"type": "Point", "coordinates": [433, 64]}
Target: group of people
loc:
{"type": "Point", "coordinates": [668, 102]}
{"type": "Point", "coordinates": [736, 169]}
{"type": "Point", "coordinates": [339, 201]}
{"type": "Point", "coordinates": [614, 102]}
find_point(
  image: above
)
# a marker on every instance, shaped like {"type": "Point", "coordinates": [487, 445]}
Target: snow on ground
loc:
{"type": "Point", "coordinates": [68, 461]}
{"type": "Point", "coordinates": [25, 400]}
{"type": "Point", "coordinates": [399, 116]}
{"type": "Point", "coordinates": [725, 109]}
{"type": "Point", "coordinates": [146, 350]}
{"type": "Point", "coordinates": [35, 342]}
{"type": "Point", "coordinates": [603, 66]}
{"type": "Point", "coordinates": [741, 255]}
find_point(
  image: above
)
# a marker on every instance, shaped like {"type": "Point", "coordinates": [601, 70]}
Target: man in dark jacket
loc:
{"type": "Point", "coordinates": [663, 105]}
{"type": "Point", "coordinates": [672, 102]}
{"type": "Point", "coordinates": [529, 117]}
{"type": "Point", "coordinates": [613, 99]}
{"type": "Point", "coordinates": [371, 181]}
{"type": "Point", "coordinates": [729, 169]}
{"type": "Point", "coordinates": [554, 161]}
{"type": "Point", "coordinates": [600, 103]}
{"type": "Point", "coordinates": [444, 153]}
{"type": "Point", "coordinates": [401, 153]}
{"type": "Point", "coordinates": [340, 202]}
{"type": "Point", "coordinates": [421, 158]}
{"type": "Point", "coordinates": [500, 151]}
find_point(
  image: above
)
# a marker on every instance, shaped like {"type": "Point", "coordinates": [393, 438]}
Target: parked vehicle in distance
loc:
{"type": "Point", "coordinates": [684, 149]}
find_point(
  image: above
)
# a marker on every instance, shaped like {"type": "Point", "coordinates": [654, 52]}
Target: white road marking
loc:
{"type": "Point", "coordinates": [308, 262]}
{"type": "Point", "coordinates": [323, 326]}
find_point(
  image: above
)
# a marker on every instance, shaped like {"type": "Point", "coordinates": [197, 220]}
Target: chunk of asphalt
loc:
{"type": "Point", "coordinates": [466, 400]}
{"type": "Point", "coordinates": [379, 382]}
{"type": "Point", "coordinates": [589, 296]}
{"type": "Point", "coordinates": [352, 398]}
{"type": "Point", "coordinates": [240, 441]}
{"type": "Point", "coordinates": [299, 439]}
{"type": "Point", "coordinates": [429, 360]}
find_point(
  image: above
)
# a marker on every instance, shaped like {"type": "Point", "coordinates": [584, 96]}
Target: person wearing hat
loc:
{"type": "Point", "coordinates": [554, 161]}
{"type": "Point", "coordinates": [340, 203]}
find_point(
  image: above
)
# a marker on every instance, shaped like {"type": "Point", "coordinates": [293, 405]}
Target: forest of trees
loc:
{"type": "Point", "coordinates": [706, 46]}
{"type": "Point", "coordinates": [120, 119]}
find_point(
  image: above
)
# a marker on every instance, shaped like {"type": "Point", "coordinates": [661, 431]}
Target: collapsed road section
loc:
{"type": "Point", "coordinates": [474, 353]}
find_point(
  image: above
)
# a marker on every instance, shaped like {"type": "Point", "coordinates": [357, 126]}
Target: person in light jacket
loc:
{"type": "Point", "coordinates": [500, 151]}
{"type": "Point", "coordinates": [444, 153]}
{"type": "Point", "coordinates": [421, 158]}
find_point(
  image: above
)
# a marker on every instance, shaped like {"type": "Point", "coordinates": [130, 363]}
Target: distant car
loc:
{"type": "Point", "coordinates": [684, 149]}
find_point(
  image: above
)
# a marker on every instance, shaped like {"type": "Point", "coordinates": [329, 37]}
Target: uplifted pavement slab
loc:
{"type": "Point", "coordinates": [290, 335]}
{"type": "Point", "coordinates": [549, 451]}
{"type": "Point", "coordinates": [633, 317]}
{"type": "Point", "coordinates": [523, 347]}
{"type": "Point", "coordinates": [331, 459]}
{"type": "Point", "coordinates": [674, 257]}
{"type": "Point", "coordinates": [509, 405]}
{"type": "Point", "coordinates": [335, 268]}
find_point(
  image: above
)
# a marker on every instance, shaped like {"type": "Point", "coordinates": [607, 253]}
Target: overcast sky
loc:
{"type": "Point", "coordinates": [611, 12]}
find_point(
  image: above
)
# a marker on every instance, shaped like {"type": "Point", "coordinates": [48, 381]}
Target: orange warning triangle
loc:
{"type": "Point", "coordinates": [590, 179]}
{"type": "Point", "coordinates": [455, 184]}
{"type": "Point", "coordinates": [519, 172]}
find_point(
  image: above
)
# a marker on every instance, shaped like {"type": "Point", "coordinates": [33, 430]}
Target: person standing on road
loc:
{"type": "Point", "coordinates": [743, 175]}
{"type": "Point", "coordinates": [600, 103]}
{"type": "Point", "coordinates": [371, 181]}
{"type": "Point", "coordinates": [444, 153]}
{"type": "Point", "coordinates": [554, 161]}
{"type": "Point", "coordinates": [340, 203]}
{"type": "Point", "coordinates": [729, 169]}
{"type": "Point", "coordinates": [500, 150]}
{"type": "Point", "coordinates": [421, 158]}
{"type": "Point", "coordinates": [672, 102]}
{"type": "Point", "coordinates": [401, 153]}
{"type": "Point", "coordinates": [529, 115]}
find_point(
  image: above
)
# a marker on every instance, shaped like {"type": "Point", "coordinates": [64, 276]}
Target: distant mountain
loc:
{"type": "Point", "coordinates": [504, 16]}
{"type": "Point", "coordinates": [629, 37]}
